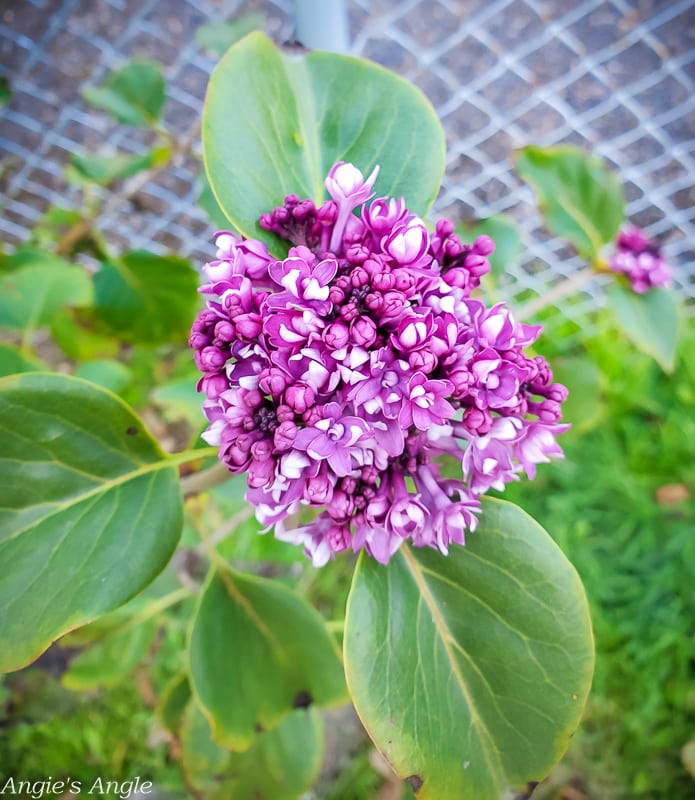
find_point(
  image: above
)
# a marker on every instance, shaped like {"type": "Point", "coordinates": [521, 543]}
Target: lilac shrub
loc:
{"type": "Point", "coordinates": [336, 377]}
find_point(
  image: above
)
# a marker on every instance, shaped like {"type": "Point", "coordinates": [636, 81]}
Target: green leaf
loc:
{"type": "Point", "coordinates": [303, 113]}
{"type": "Point", "coordinates": [204, 762]}
{"type": "Point", "coordinates": [5, 91]}
{"type": "Point", "coordinates": [74, 333]}
{"type": "Point", "coordinates": [583, 379]}
{"type": "Point", "coordinates": [217, 37]}
{"type": "Point", "coordinates": [111, 660]}
{"type": "Point", "coordinates": [281, 764]}
{"type": "Point", "coordinates": [581, 199]}
{"type": "Point", "coordinates": [112, 375]}
{"type": "Point", "coordinates": [256, 651]}
{"type": "Point", "coordinates": [651, 321]}
{"type": "Point", "coordinates": [133, 95]}
{"type": "Point", "coordinates": [173, 701]}
{"type": "Point", "coordinates": [180, 399]}
{"type": "Point", "coordinates": [31, 256]}
{"type": "Point", "coordinates": [31, 295]}
{"type": "Point", "coordinates": [146, 297]}
{"type": "Point", "coordinates": [106, 169]}
{"type": "Point", "coordinates": [470, 671]}
{"type": "Point", "coordinates": [12, 362]}
{"type": "Point", "coordinates": [90, 509]}
{"type": "Point", "coordinates": [209, 204]}
{"type": "Point", "coordinates": [505, 234]}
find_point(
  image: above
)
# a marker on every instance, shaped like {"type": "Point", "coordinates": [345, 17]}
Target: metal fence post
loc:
{"type": "Point", "coordinates": [322, 24]}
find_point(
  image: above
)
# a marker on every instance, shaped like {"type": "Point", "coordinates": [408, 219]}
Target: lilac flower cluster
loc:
{"type": "Point", "coordinates": [639, 258]}
{"type": "Point", "coordinates": [335, 377]}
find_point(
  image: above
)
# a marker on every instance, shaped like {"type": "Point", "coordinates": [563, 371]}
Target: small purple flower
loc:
{"type": "Point", "coordinates": [640, 260]}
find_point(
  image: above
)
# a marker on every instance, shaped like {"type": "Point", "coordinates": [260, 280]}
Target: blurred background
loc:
{"type": "Point", "coordinates": [616, 78]}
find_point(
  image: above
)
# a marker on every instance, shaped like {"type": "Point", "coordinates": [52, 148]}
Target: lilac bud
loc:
{"type": "Point", "coordinates": [273, 381]}
{"type": "Point", "coordinates": [224, 331]}
{"type": "Point", "coordinates": [284, 413]}
{"type": "Point", "coordinates": [336, 336]}
{"type": "Point", "coordinates": [340, 506]}
{"type": "Point", "coordinates": [462, 380]}
{"type": "Point", "coordinates": [328, 213]}
{"type": "Point", "coordinates": [262, 449]}
{"type": "Point", "coordinates": [260, 473]}
{"type": "Point", "coordinates": [476, 264]}
{"type": "Point", "coordinates": [477, 420]}
{"type": "Point", "coordinates": [413, 332]}
{"type": "Point", "coordinates": [199, 340]}
{"type": "Point", "coordinates": [357, 254]}
{"type": "Point", "coordinates": [408, 243]}
{"type": "Point", "coordinates": [444, 228]}
{"type": "Point", "coordinates": [359, 277]}
{"type": "Point", "coordinates": [458, 277]}
{"type": "Point", "coordinates": [313, 415]}
{"type": "Point", "coordinates": [363, 331]}
{"type": "Point", "coordinates": [384, 281]}
{"type": "Point", "coordinates": [374, 301]}
{"type": "Point", "coordinates": [393, 305]}
{"type": "Point", "coordinates": [284, 436]}
{"type": "Point", "coordinates": [423, 360]}
{"type": "Point", "coordinates": [299, 397]}
{"type": "Point", "coordinates": [484, 245]}
{"type": "Point", "coordinates": [248, 325]}
{"type": "Point", "coordinates": [318, 490]}
{"type": "Point", "coordinates": [382, 214]}
{"type": "Point", "coordinates": [213, 385]}
{"type": "Point", "coordinates": [403, 281]}
{"type": "Point", "coordinates": [336, 295]}
{"type": "Point", "coordinates": [345, 183]}
{"type": "Point", "coordinates": [349, 311]}
{"type": "Point", "coordinates": [211, 359]}
{"type": "Point", "coordinates": [348, 484]}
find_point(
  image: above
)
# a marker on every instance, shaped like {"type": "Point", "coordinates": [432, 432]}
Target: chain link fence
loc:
{"type": "Point", "coordinates": [616, 77]}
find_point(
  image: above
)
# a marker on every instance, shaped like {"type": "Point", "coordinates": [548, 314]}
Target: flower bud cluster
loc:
{"type": "Point", "coordinates": [335, 377]}
{"type": "Point", "coordinates": [640, 260]}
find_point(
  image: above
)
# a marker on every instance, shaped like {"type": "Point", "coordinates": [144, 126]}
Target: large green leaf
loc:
{"type": "Point", "coordinates": [256, 651]}
{"type": "Point", "coordinates": [581, 199]}
{"type": "Point", "coordinates": [274, 124]}
{"type": "Point", "coordinates": [146, 297]}
{"type": "Point", "coordinates": [470, 671]}
{"type": "Point", "coordinates": [651, 321]}
{"type": "Point", "coordinates": [133, 95]}
{"type": "Point", "coordinates": [31, 295]}
{"type": "Point", "coordinates": [281, 764]}
{"type": "Point", "coordinates": [90, 509]}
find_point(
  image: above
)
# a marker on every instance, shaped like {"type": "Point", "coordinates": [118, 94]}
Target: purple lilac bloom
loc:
{"type": "Point", "coordinates": [337, 377]}
{"type": "Point", "coordinates": [640, 260]}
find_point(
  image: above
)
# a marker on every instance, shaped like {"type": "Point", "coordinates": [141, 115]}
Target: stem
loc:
{"type": "Point", "coordinates": [156, 607]}
{"type": "Point", "coordinates": [82, 228]}
{"type": "Point", "coordinates": [186, 456]}
{"type": "Point", "coordinates": [198, 482]}
{"type": "Point", "coordinates": [335, 625]}
{"type": "Point", "coordinates": [558, 292]}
